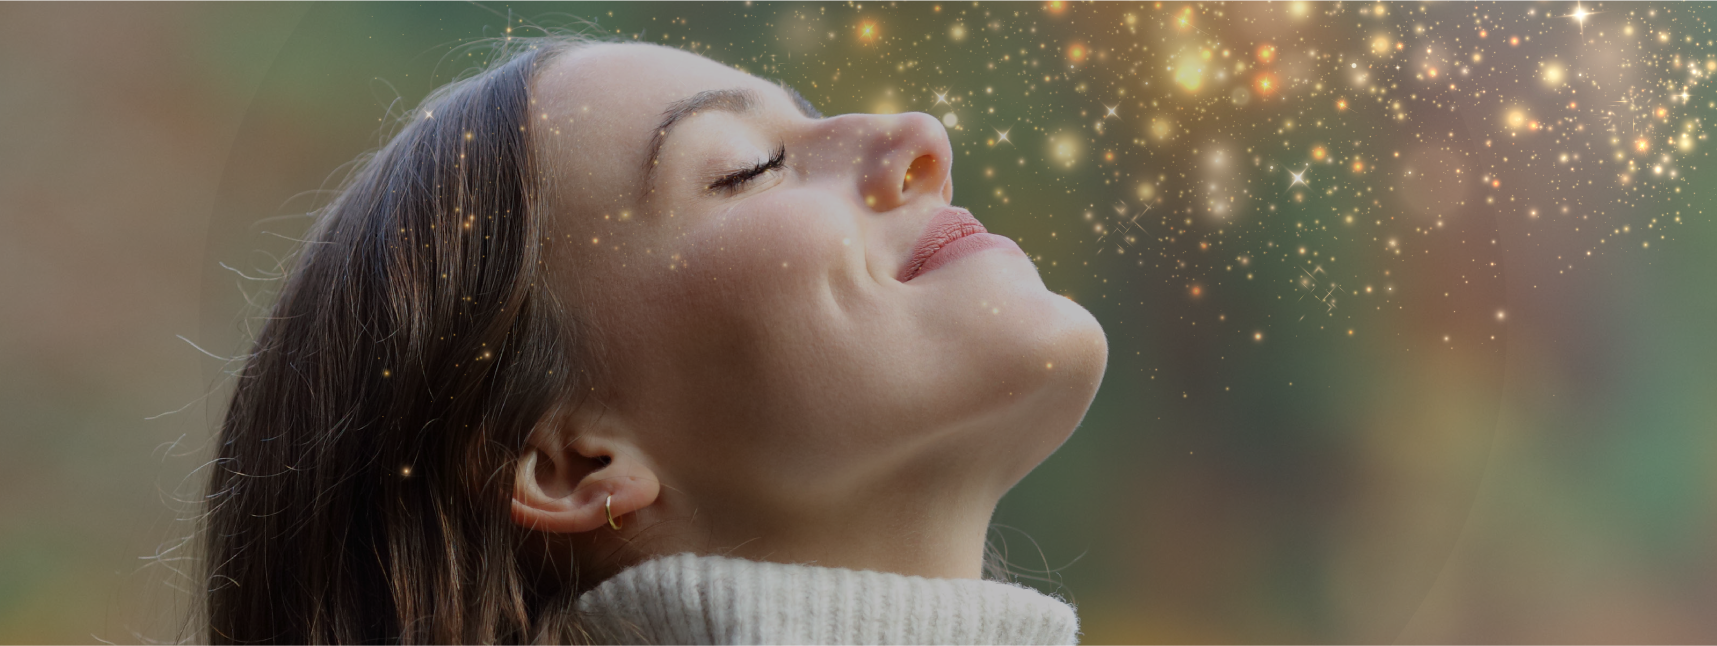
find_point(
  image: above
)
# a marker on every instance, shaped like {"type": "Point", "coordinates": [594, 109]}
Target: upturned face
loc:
{"type": "Point", "coordinates": [786, 312]}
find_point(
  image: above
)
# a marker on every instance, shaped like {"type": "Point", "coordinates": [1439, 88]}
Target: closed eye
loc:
{"type": "Point", "coordinates": [735, 181]}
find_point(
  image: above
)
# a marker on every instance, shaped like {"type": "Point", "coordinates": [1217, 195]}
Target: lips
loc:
{"type": "Point", "coordinates": [951, 234]}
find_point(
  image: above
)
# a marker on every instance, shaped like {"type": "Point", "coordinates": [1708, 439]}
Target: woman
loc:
{"type": "Point", "coordinates": [614, 342]}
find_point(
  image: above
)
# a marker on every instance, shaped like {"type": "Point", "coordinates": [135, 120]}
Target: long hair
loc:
{"type": "Point", "coordinates": [364, 467]}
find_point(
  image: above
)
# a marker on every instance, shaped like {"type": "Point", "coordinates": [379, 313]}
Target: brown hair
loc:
{"type": "Point", "coordinates": [364, 467]}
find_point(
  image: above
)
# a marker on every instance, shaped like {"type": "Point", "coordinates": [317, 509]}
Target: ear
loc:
{"type": "Point", "coordinates": [564, 486]}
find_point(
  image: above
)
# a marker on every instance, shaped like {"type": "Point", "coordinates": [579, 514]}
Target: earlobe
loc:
{"type": "Point", "coordinates": [572, 490]}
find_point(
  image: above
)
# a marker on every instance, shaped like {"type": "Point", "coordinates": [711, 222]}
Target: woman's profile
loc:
{"type": "Point", "coordinates": [613, 342]}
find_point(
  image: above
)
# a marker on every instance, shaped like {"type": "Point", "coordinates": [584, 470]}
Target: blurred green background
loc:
{"type": "Point", "coordinates": [1409, 306]}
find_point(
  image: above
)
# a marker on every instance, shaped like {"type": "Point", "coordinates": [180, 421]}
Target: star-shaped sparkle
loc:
{"type": "Point", "coordinates": [1580, 15]}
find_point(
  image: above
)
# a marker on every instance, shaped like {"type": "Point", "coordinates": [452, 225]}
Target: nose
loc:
{"type": "Point", "coordinates": [905, 156]}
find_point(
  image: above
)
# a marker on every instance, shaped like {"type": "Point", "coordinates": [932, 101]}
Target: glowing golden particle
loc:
{"type": "Point", "coordinates": [1554, 74]}
{"type": "Point", "coordinates": [1265, 84]}
{"type": "Point", "coordinates": [1380, 45]}
{"type": "Point", "coordinates": [1162, 128]}
{"type": "Point", "coordinates": [1516, 118]}
{"type": "Point", "coordinates": [1189, 73]}
{"type": "Point", "coordinates": [1266, 53]}
{"type": "Point", "coordinates": [1077, 53]}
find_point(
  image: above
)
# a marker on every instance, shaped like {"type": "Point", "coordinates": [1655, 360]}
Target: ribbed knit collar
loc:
{"type": "Point", "coordinates": [691, 599]}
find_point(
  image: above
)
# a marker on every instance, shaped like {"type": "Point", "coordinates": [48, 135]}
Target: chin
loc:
{"type": "Point", "coordinates": [1035, 357]}
{"type": "Point", "coordinates": [1070, 353]}
{"type": "Point", "coordinates": [1037, 334]}
{"type": "Point", "coordinates": [1074, 351]}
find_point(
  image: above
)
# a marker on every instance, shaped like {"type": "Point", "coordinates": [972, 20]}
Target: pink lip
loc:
{"type": "Point", "coordinates": [951, 235]}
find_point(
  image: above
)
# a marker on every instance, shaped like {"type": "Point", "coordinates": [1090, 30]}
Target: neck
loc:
{"type": "Point", "coordinates": [943, 541]}
{"type": "Point", "coordinates": [934, 527]}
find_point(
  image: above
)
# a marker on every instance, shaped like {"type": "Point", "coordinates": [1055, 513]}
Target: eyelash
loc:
{"type": "Point", "coordinates": [735, 181]}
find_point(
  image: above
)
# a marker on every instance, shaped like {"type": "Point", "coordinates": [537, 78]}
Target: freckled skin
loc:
{"type": "Point", "coordinates": [760, 360]}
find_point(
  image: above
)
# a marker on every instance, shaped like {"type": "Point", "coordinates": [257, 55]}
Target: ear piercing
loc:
{"type": "Point", "coordinates": [608, 506]}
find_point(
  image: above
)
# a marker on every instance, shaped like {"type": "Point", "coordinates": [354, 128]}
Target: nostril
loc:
{"type": "Point", "coordinates": [922, 168]}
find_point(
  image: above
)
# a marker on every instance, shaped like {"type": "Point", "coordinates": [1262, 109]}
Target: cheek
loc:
{"type": "Point", "coordinates": [774, 253]}
{"type": "Point", "coordinates": [747, 293]}
{"type": "Point", "coordinates": [739, 345]}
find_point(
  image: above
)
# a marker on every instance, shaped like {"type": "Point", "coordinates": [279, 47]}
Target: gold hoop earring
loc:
{"type": "Point", "coordinates": [608, 507]}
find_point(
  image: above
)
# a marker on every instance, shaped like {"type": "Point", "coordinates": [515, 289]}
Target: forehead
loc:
{"type": "Point", "coordinates": [635, 81]}
{"type": "Point", "coordinates": [601, 104]}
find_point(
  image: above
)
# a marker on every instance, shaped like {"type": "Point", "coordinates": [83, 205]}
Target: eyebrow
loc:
{"type": "Point", "coordinates": [734, 100]}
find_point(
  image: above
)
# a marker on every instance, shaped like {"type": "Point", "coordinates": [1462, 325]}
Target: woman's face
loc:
{"type": "Point", "coordinates": [757, 344]}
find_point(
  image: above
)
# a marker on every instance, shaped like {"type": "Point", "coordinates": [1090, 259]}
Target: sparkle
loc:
{"type": "Point", "coordinates": [1077, 53]}
{"type": "Point", "coordinates": [1580, 15]}
{"type": "Point", "coordinates": [1215, 109]}
{"type": "Point", "coordinates": [1266, 84]}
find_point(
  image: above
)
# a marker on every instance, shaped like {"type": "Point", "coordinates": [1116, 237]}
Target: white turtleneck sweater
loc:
{"type": "Point", "coordinates": [691, 599]}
